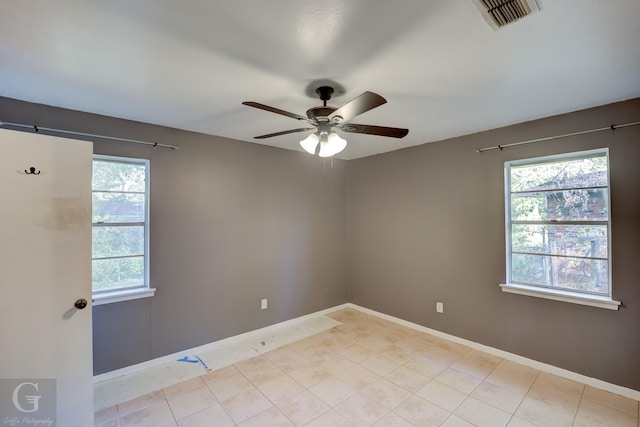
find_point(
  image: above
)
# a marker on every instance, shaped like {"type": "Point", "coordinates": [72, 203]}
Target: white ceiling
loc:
{"type": "Point", "coordinates": [444, 71]}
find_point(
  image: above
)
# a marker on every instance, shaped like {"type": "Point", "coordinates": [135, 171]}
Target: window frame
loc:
{"type": "Point", "coordinates": [123, 294]}
{"type": "Point", "coordinates": [572, 296]}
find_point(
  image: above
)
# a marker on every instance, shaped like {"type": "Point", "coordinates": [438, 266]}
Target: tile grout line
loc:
{"type": "Point", "coordinates": [584, 391]}
{"type": "Point", "coordinates": [169, 406]}
{"type": "Point", "coordinates": [525, 395]}
{"type": "Point", "coordinates": [218, 400]}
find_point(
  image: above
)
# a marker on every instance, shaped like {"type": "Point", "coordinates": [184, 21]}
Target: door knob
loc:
{"type": "Point", "coordinates": [80, 304]}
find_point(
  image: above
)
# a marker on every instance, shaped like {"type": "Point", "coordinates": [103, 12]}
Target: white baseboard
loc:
{"type": "Point", "coordinates": [594, 382]}
{"type": "Point", "coordinates": [208, 347]}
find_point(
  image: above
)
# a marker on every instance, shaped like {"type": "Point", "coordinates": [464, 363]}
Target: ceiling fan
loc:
{"type": "Point", "coordinates": [324, 141]}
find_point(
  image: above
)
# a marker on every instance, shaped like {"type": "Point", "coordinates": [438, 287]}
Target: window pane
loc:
{"type": "Point", "coordinates": [117, 176]}
{"type": "Point", "coordinates": [571, 240]}
{"type": "Point", "coordinates": [118, 241]}
{"type": "Point", "coordinates": [568, 205]}
{"type": "Point", "coordinates": [118, 207]}
{"type": "Point", "coordinates": [561, 174]}
{"type": "Point", "coordinates": [562, 273]}
{"type": "Point", "coordinates": [118, 273]}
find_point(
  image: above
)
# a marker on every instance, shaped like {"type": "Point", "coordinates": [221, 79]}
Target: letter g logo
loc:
{"type": "Point", "coordinates": [33, 400]}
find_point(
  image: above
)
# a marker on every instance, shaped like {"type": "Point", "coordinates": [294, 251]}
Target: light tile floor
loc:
{"type": "Point", "coordinates": [372, 372]}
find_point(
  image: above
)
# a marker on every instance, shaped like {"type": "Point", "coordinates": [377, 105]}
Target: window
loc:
{"type": "Point", "coordinates": [120, 219]}
{"type": "Point", "coordinates": [558, 228]}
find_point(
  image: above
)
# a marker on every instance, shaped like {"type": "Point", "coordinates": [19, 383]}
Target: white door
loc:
{"type": "Point", "coordinates": [45, 267]}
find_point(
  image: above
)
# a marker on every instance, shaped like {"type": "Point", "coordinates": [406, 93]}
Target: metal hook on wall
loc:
{"type": "Point", "coordinates": [32, 171]}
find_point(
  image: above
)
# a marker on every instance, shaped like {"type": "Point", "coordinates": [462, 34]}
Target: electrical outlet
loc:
{"type": "Point", "coordinates": [263, 304]}
{"type": "Point", "coordinates": [439, 307]}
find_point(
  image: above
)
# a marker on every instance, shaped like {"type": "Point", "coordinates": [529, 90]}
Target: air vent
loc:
{"type": "Point", "coordinates": [499, 13]}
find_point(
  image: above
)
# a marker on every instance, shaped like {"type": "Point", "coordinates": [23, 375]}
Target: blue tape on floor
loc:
{"type": "Point", "coordinates": [202, 362]}
{"type": "Point", "coordinates": [186, 359]}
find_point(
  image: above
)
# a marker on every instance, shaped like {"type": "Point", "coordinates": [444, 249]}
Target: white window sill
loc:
{"type": "Point", "coordinates": [126, 295]}
{"type": "Point", "coordinates": [557, 295]}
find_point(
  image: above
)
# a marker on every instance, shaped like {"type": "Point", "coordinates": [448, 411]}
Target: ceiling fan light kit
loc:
{"type": "Point", "coordinates": [310, 143]}
{"type": "Point", "coordinates": [325, 141]}
{"type": "Point", "coordinates": [330, 144]}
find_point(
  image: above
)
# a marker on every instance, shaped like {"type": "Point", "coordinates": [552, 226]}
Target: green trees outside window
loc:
{"type": "Point", "coordinates": [120, 221]}
{"type": "Point", "coordinates": [558, 222]}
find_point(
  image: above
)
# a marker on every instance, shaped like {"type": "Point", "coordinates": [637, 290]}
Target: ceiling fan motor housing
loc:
{"type": "Point", "coordinates": [320, 114]}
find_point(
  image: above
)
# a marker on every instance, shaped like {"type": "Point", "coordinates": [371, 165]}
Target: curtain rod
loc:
{"type": "Point", "coordinates": [549, 138]}
{"type": "Point", "coordinates": [87, 135]}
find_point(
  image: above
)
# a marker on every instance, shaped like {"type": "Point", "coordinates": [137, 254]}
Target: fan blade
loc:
{"type": "Point", "coordinates": [270, 135]}
{"type": "Point", "coordinates": [275, 110]}
{"type": "Point", "coordinates": [360, 104]}
{"type": "Point", "coordinates": [375, 130]}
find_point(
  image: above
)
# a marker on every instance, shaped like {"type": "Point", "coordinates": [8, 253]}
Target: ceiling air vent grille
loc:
{"type": "Point", "coordinates": [499, 13]}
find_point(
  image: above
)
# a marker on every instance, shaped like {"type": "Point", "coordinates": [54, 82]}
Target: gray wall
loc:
{"type": "Point", "coordinates": [231, 223]}
{"type": "Point", "coordinates": [234, 222]}
{"type": "Point", "coordinates": [426, 224]}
